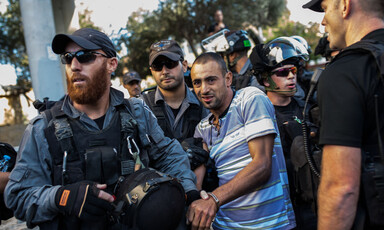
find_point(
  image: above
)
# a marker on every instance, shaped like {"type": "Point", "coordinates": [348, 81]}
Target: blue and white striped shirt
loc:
{"type": "Point", "coordinates": [250, 115]}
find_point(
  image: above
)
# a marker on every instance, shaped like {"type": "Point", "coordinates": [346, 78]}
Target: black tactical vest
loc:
{"type": "Point", "coordinates": [100, 156]}
{"type": "Point", "coordinates": [192, 116]}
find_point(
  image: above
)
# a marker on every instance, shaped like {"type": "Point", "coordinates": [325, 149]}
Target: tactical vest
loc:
{"type": "Point", "coordinates": [80, 154]}
{"type": "Point", "coordinates": [372, 175]}
{"type": "Point", "coordinates": [240, 81]}
{"type": "Point", "coordinates": [192, 116]}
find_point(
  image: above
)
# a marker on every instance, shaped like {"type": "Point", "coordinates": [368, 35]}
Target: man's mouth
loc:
{"type": "Point", "coordinates": [291, 86]}
{"type": "Point", "coordinates": [207, 98]}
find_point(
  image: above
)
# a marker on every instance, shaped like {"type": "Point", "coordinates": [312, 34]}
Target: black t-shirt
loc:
{"type": "Point", "coordinates": [288, 122]}
{"type": "Point", "coordinates": [346, 99]}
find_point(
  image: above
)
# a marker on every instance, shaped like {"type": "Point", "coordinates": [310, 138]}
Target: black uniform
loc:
{"type": "Point", "coordinates": [346, 95]}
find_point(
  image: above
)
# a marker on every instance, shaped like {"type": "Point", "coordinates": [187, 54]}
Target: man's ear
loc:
{"type": "Point", "coordinates": [346, 7]}
{"type": "Point", "coordinates": [112, 64]}
{"type": "Point", "coordinates": [185, 65]}
{"type": "Point", "coordinates": [266, 83]}
{"type": "Point", "coordinates": [228, 79]}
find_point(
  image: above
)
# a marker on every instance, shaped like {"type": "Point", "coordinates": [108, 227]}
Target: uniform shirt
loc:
{"type": "Point", "coordinates": [177, 121]}
{"type": "Point", "coordinates": [250, 115]}
{"type": "Point", "coordinates": [346, 101]}
{"type": "Point", "coordinates": [30, 192]}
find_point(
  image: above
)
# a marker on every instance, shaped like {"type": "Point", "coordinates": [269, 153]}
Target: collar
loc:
{"type": "Point", "coordinates": [189, 97]}
{"type": "Point", "coordinates": [247, 65]}
{"type": "Point", "coordinates": [116, 98]}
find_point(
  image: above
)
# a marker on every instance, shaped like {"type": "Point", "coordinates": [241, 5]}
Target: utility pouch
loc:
{"type": "Point", "coordinates": [305, 182]}
{"type": "Point", "coordinates": [372, 179]}
{"type": "Point", "coordinates": [102, 165]}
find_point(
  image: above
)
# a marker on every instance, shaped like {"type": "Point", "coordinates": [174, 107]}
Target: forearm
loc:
{"type": "Point", "coordinates": [336, 204]}
{"type": "Point", "coordinates": [339, 187]}
{"type": "Point", "coordinates": [254, 175]}
{"type": "Point", "coordinates": [3, 181]}
{"type": "Point", "coordinates": [200, 173]}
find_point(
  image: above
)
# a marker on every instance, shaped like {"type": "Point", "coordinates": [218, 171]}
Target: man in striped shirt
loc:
{"type": "Point", "coordinates": [242, 137]}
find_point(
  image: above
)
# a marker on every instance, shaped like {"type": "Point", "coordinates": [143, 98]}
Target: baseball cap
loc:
{"type": "Point", "coordinates": [314, 5]}
{"type": "Point", "coordinates": [87, 38]}
{"type": "Point", "coordinates": [131, 76]}
{"type": "Point", "coordinates": [168, 48]}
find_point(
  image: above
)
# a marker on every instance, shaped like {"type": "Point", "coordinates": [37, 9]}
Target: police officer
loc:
{"type": "Point", "coordinates": [176, 107]}
{"type": "Point", "coordinates": [131, 81]}
{"type": "Point", "coordinates": [351, 101]}
{"type": "Point", "coordinates": [72, 155]}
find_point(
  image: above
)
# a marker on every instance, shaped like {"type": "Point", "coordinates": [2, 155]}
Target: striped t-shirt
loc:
{"type": "Point", "coordinates": [250, 115]}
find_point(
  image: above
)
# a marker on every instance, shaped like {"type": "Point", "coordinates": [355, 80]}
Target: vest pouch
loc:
{"type": "Point", "coordinates": [306, 183]}
{"type": "Point", "coordinates": [73, 172]}
{"type": "Point", "coordinates": [102, 165]}
{"type": "Point", "coordinates": [373, 188]}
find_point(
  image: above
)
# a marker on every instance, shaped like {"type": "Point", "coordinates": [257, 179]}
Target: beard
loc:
{"type": "Point", "coordinates": [93, 89]}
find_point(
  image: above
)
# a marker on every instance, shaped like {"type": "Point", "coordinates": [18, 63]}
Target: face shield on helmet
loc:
{"type": "Point", "coordinates": [303, 42]}
{"type": "Point", "coordinates": [283, 48]}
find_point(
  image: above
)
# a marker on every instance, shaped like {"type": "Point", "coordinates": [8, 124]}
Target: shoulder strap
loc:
{"type": "Point", "coordinates": [159, 112]}
{"type": "Point", "coordinates": [375, 48]}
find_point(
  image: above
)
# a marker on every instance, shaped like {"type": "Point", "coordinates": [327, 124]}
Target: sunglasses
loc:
{"type": "Point", "coordinates": [82, 56]}
{"type": "Point", "coordinates": [285, 71]}
{"type": "Point", "coordinates": [158, 66]}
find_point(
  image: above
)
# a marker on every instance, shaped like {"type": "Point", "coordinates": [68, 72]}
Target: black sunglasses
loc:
{"type": "Point", "coordinates": [82, 56]}
{"type": "Point", "coordinates": [158, 65]}
{"type": "Point", "coordinates": [285, 71]}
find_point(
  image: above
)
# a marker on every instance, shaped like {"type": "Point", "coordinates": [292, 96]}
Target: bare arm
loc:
{"type": "Point", "coordinates": [339, 187]}
{"type": "Point", "coordinates": [255, 174]}
{"type": "Point", "coordinates": [3, 181]}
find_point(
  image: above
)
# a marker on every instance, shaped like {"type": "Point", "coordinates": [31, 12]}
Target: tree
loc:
{"type": "Point", "coordinates": [189, 20]}
{"type": "Point", "coordinates": [12, 44]}
{"type": "Point", "coordinates": [285, 27]}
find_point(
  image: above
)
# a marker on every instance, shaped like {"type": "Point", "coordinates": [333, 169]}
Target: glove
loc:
{"type": "Point", "coordinates": [80, 200]}
{"type": "Point", "coordinates": [196, 154]}
{"type": "Point", "coordinates": [192, 196]}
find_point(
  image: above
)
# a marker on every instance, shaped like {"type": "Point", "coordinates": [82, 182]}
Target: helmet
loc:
{"type": "Point", "coordinates": [281, 49]}
{"type": "Point", "coordinates": [238, 41]}
{"type": "Point", "coordinates": [227, 42]}
{"type": "Point", "coordinates": [303, 42]}
{"type": "Point", "coordinates": [149, 199]}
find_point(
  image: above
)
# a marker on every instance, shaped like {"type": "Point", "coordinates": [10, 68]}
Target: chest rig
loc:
{"type": "Point", "coordinates": [192, 116]}
{"type": "Point", "coordinates": [100, 156]}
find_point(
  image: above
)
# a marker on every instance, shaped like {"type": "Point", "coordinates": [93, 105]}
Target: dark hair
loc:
{"type": "Point", "coordinates": [210, 56]}
{"type": "Point", "coordinates": [375, 7]}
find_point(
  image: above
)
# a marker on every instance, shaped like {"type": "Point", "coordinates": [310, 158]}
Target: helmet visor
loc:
{"type": "Point", "coordinates": [283, 48]}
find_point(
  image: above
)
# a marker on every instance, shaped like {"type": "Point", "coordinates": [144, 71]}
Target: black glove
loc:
{"type": "Point", "coordinates": [80, 200]}
{"type": "Point", "coordinates": [192, 196]}
{"type": "Point", "coordinates": [196, 154]}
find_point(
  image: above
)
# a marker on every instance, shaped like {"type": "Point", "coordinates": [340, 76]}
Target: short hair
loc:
{"type": "Point", "coordinates": [211, 56]}
{"type": "Point", "coordinates": [374, 7]}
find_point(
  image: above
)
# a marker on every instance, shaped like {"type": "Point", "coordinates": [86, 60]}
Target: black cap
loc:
{"type": "Point", "coordinates": [87, 38]}
{"type": "Point", "coordinates": [131, 76]}
{"type": "Point", "coordinates": [168, 48]}
{"type": "Point", "coordinates": [314, 5]}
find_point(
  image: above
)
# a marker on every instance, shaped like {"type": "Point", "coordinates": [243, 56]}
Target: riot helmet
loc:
{"type": "Point", "coordinates": [303, 42]}
{"type": "Point", "coordinates": [276, 53]}
{"type": "Point", "coordinates": [237, 41]}
{"type": "Point", "coordinates": [148, 199]}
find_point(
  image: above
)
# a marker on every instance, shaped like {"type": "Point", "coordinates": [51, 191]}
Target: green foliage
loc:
{"type": "Point", "coordinates": [12, 45]}
{"type": "Point", "coordinates": [286, 27]}
{"type": "Point", "coordinates": [189, 20]}
{"type": "Point", "coordinates": [85, 20]}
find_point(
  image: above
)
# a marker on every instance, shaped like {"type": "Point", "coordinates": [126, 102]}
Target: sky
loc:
{"type": "Point", "coordinates": [114, 15]}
